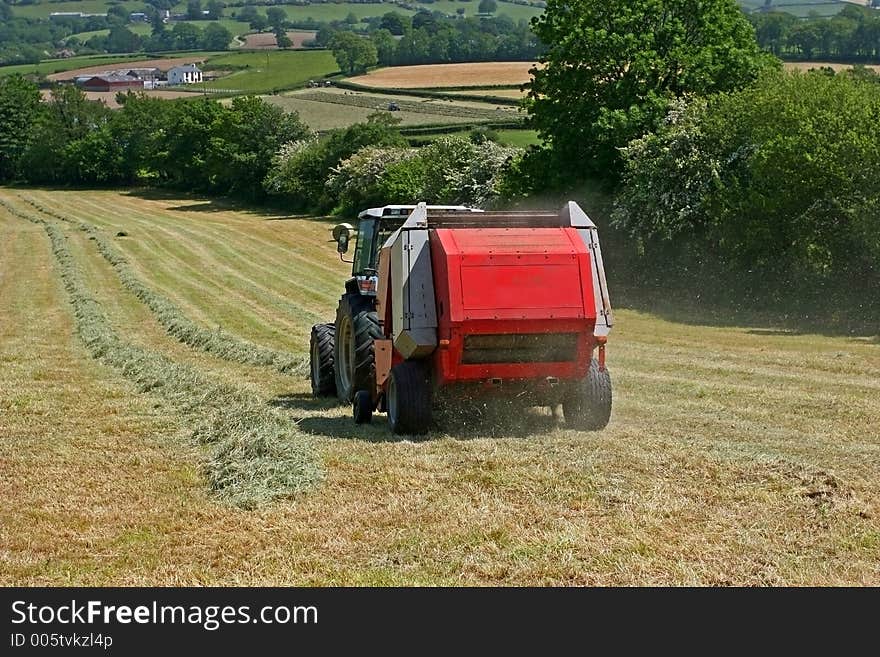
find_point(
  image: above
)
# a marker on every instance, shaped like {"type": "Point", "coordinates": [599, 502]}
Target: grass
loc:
{"type": "Point", "coordinates": [735, 454]}
{"type": "Point", "coordinates": [520, 138]}
{"type": "Point", "coordinates": [333, 108]}
{"type": "Point", "coordinates": [259, 72]}
{"type": "Point", "coordinates": [50, 66]}
{"type": "Point", "coordinates": [258, 456]}
{"type": "Point", "coordinates": [212, 341]}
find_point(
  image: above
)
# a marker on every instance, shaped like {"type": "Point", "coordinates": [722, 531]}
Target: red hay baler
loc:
{"type": "Point", "coordinates": [446, 302]}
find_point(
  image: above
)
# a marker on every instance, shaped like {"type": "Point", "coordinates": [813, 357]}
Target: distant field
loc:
{"type": "Point", "coordinates": [806, 66]}
{"type": "Point", "coordinates": [325, 109]}
{"type": "Point", "coordinates": [109, 97]}
{"type": "Point", "coordinates": [801, 8]}
{"type": "Point", "coordinates": [478, 74]}
{"type": "Point", "coordinates": [488, 91]}
{"type": "Point", "coordinates": [51, 66]}
{"type": "Point", "coordinates": [267, 41]}
{"type": "Point", "coordinates": [257, 72]}
{"type": "Point", "coordinates": [520, 138]}
{"type": "Point", "coordinates": [43, 9]}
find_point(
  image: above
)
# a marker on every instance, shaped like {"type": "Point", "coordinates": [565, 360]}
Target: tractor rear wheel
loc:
{"type": "Point", "coordinates": [409, 399]}
{"type": "Point", "coordinates": [587, 406]}
{"type": "Point", "coordinates": [357, 325]}
{"type": "Point", "coordinates": [321, 360]}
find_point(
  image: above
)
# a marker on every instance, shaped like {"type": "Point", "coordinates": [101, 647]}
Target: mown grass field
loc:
{"type": "Point", "coordinates": [327, 108]}
{"type": "Point", "coordinates": [257, 72]}
{"type": "Point", "coordinates": [735, 454]}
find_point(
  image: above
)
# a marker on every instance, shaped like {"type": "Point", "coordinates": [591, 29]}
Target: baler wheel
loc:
{"type": "Point", "coordinates": [409, 399]}
{"type": "Point", "coordinates": [321, 360]}
{"type": "Point", "coordinates": [587, 406]}
{"type": "Point", "coordinates": [362, 409]}
{"type": "Point", "coordinates": [357, 325]}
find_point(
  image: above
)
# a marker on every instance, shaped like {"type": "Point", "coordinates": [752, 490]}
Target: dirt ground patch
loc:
{"type": "Point", "coordinates": [478, 74]}
{"type": "Point", "coordinates": [266, 40]}
{"type": "Point", "coordinates": [806, 66]}
{"type": "Point", "coordinates": [163, 64]}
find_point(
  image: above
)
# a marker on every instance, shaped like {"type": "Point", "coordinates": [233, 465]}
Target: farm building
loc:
{"type": "Point", "coordinates": [145, 73]}
{"type": "Point", "coordinates": [186, 74]}
{"type": "Point", "coordinates": [111, 83]}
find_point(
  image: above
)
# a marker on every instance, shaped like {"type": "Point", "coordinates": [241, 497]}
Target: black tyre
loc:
{"type": "Point", "coordinates": [362, 408]}
{"type": "Point", "coordinates": [587, 406]}
{"type": "Point", "coordinates": [321, 360]}
{"type": "Point", "coordinates": [357, 325]}
{"type": "Point", "coordinates": [409, 399]}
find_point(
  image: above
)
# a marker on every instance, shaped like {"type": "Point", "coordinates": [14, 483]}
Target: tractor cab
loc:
{"type": "Point", "coordinates": [375, 226]}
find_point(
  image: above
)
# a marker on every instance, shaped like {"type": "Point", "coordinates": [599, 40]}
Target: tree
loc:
{"type": "Point", "coordinates": [67, 118]}
{"type": "Point", "coordinates": [117, 15]}
{"type": "Point", "coordinates": [353, 54]}
{"type": "Point", "coordinates": [194, 10]}
{"type": "Point", "coordinates": [247, 136]}
{"type": "Point", "coordinates": [186, 36]}
{"type": "Point", "coordinates": [385, 44]}
{"type": "Point", "coordinates": [215, 9]}
{"type": "Point", "coordinates": [216, 37]}
{"type": "Point", "coordinates": [487, 6]}
{"type": "Point", "coordinates": [121, 39]}
{"type": "Point", "coordinates": [276, 17]}
{"type": "Point", "coordinates": [259, 23]}
{"type": "Point", "coordinates": [612, 66]}
{"type": "Point", "coordinates": [395, 23]}
{"type": "Point", "coordinates": [247, 13]}
{"type": "Point", "coordinates": [282, 40]}
{"type": "Point", "coordinates": [19, 108]}
{"type": "Point", "coordinates": [777, 180]}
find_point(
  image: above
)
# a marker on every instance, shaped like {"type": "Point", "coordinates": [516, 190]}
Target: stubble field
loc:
{"type": "Point", "coordinates": [735, 454]}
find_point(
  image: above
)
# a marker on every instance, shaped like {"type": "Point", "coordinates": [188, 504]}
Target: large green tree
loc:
{"type": "Point", "coordinates": [612, 66]}
{"type": "Point", "coordinates": [19, 108]}
{"type": "Point", "coordinates": [354, 54]}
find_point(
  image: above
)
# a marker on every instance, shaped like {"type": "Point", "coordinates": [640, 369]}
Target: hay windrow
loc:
{"type": "Point", "coordinates": [215, 342]}
{"type": "Point", "coordinates": [256, 456]}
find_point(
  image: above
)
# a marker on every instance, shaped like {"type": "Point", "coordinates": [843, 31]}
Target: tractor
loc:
{"type": "Point", "coordinates": [451, 302]}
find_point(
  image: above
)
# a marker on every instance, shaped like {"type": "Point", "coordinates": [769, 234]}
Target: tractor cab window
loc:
{"type": "Point", "coordinates": [371, 235]}
{"type": "Point", "coordinates": [366, 245]}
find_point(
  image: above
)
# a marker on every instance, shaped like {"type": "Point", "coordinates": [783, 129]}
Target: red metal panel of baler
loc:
{"type": "Point", "coordinates": [511, 281]}
{"type": "Point", "coordinates": [514, 273]}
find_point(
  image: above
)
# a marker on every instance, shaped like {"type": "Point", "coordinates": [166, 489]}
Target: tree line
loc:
{"type": "Point", "coordinates": [853, 35]}
{"type": "Point", "coordinates": [248, 149]}
{"type": "Point", "coordinates": [428, 38]}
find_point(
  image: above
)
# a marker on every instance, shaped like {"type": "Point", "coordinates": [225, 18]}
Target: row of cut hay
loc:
{"type": "Point", "coordinates": [256, 456]}
{"type": "Point", "coordinates": [421, 106]}
{"type": "Point", "coordinates": [215, 342]}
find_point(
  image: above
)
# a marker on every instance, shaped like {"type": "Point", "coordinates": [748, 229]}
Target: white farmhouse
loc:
{"type": "Point", "coordinates": [186, 74]}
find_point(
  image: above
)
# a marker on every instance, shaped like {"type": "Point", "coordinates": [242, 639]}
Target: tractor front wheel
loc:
{"type": "Point", "coordinates": [362, 408]}
{"type": "Point", "coordinates": [409, 399]}
{"type": "Point", "coordinates": [587, 406]}
{"type": "Point", "coordinates": [321, 360]}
